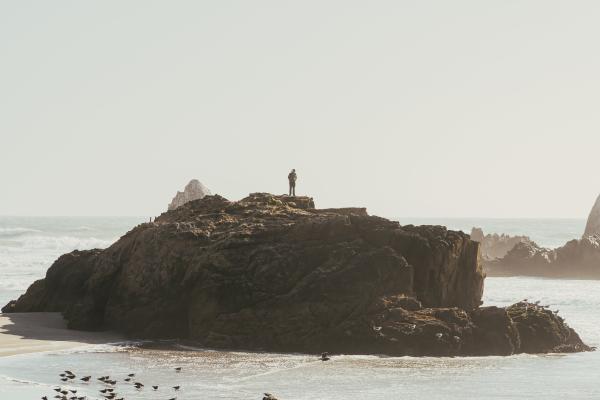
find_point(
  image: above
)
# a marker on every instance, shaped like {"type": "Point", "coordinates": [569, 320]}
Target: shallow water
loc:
{"type": "Point", "coordinates": [238, 375]}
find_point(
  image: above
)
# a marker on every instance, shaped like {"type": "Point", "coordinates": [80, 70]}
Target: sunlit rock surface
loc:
{"type": "Point", "coordinates": [593, 223]}
{"type": "Point", "coordinates": [194, 190]}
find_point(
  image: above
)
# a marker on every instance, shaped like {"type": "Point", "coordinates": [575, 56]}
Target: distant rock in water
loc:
{"type": "Point", "coordinates": [274, 273]}
{"type": "Point", "coordinates": [593, 223]}
{"type": "Point", "coordinates": [496, 246]}
{"type": "Point", "coordinates": [577, 259]}
{"type": "Point", "coordinates": [193, 191]}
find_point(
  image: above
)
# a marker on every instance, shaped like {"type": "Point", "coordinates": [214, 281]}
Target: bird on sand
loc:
{"type": "Point", "coordinates": [325, 356]}
{"type": "Point", "coordinates": [176, 387]}
{"type": "Point", "coordinates": [86, 378]}
{"type": "Point", "coordinates": [155, 387]}
{"type": "Point", "coordinates": [178, 369]}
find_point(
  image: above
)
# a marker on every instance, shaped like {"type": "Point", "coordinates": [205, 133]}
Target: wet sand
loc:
{"type": "Point", "coordinates": [22, 333]}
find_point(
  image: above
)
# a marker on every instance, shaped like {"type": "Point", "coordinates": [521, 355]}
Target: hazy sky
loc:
{"type": "Point", "coordinates": [410, 108]}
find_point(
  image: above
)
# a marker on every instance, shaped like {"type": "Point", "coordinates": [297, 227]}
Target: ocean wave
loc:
{"type": "Point", "coordinates": [191, 348]}
{"type": "Point", "coordinates": [25, 259]}
{"type": "Point", "coordinates": [17, 284]}
{"type": "Point", "coordinates": [25, 381]}
{"type": "Point", "coordinates": [83, 228]}
{"type": "Point", "coordinates": [63, 243]}
{"type": "Point", "coordinates": [113, 347]}
{"type": "Point", "coordinates": [11, 232]}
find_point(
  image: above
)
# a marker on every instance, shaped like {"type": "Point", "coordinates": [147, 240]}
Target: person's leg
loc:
{"type": "Point", "coordinates": [290, 189]}
{"type": "Point", "coordinates": [294, 189]}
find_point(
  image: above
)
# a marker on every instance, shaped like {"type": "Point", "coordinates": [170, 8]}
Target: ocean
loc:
{"type": "Point", "coordinates": [29, 245]}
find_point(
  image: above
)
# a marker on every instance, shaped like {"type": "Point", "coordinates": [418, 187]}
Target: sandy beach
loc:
{"type": "Point", "coordinates": [34, 332]}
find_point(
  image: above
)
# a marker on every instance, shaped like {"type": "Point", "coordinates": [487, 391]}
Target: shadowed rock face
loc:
{"type": "Point", "coordinates": [274, 273]}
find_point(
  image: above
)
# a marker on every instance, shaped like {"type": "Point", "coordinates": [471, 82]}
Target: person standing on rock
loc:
{"type": "Point", "coordinates": [292, 180]}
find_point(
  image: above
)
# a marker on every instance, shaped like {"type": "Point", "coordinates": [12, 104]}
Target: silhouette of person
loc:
{"type": "Point", "coordinates": [292, 180]}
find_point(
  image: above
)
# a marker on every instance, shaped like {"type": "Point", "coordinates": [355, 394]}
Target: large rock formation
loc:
{"type": "Point", "coordinates": [194, 190]}
{"type": "Point", "coordinates": [495, 246]}
{"type": "Point", "coordinates": [576, 259]}
{"type": "Point", "coordinates": [592, 227]}
{"type": "Point", "coordinates": [274, 273]}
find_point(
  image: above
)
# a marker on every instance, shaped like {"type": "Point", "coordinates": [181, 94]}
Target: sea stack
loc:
{"type": "Point", "coordinates": [577, 259]}
{"type": "Point", "coordinates": [194, 190]}
{"type": "Point", "coordinates": [592, 227]}
{"type": "Point", "coordinates": [495, 246]}
{"type": "Point", "coordinates": [274, 273]}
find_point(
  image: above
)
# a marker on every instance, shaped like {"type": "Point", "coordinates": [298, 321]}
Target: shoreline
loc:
{"type": "Point", "coordinates": [23, 333]}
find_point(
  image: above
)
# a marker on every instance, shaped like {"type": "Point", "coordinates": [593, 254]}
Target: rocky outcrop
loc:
{"type": "Point", "coordinates": [592, 227]}
{"type": "Point", "coordinates": [194, 190]}
{"type": "Point", "coordinates": [274, 273]}
{"type": "Point", "coordinates": [540, 328]}
{"type": "Point", "coordinates": [495, 246]}
{"type": "Point", "coordinates": [577, 259]}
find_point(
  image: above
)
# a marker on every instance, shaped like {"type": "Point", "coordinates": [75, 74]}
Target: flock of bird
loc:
{"type": "Point", "coordinates": [109, 386]}
{"type": "Point", "coordinates": [109, 392]}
